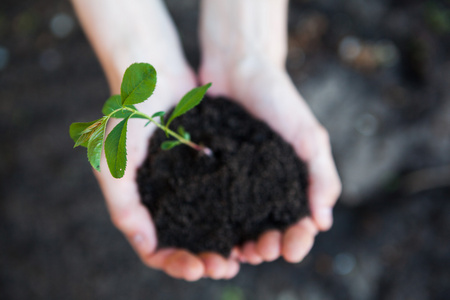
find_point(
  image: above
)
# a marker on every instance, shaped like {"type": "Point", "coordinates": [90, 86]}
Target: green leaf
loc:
{"type": "Point", "coordinates": [181, 130]}
{"type": "Point", "coordinates": [126, 114]}
{"type": "Point", "coordinates": [95, 145]}
{"type": "Point", "coordinates": [115, 149]}
{"type": "Point", "coordinates": [184, 133]}
{"type": "Point", "coordinates": [138, 83]}
{"type": "Point", "coordinates": [189, 101]}
{"type": "Point", "coordinates": [77, 128]}
{"type": "Point", "coordinates": [158, 114]}
{"type": "Point", "coordinates": [80, 132]}
{"type": "Point", "coordinates": [115, 103]}
{"type": "Point", "coordinates": [169, 144]}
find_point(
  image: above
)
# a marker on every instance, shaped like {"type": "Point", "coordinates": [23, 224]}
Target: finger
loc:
{"type": "Point", "coordinates": [233, 269]}
{"type": "Point", "coordinates": [313, 147]}
{"type": "Point", "coordinates": [216, 266]}
{"type": "Point", "coordinates": [184, 265]}
{"type": "Point", "coordinates": [298, 240]}
{"type": "Point", "coordinates": [242, 257]}
{"type": "Point", "coordinates": [127, 212]}
{"type": "Point", "coordinates": [158, 259]}
{"type": "Point", "coordinates": [235, 253]}
{"type": "Point", "coordinates": [325, 187]}
{"type": "Point", "coordinates": [250, 254]}
{"type": "Point", "coordinates": [269, 245]}
{"type": "Point", "coordinates": [135, 223]}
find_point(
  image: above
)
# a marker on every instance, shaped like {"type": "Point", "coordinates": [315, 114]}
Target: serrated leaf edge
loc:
{"type": "Point", "coordinates": [112, 161]}
{"type": "Point", "coordinates": [95, 163]}
{"type": "Point", "coordinates": [123, 79]}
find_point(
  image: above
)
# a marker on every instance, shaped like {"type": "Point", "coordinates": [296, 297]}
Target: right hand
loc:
{"type": "Point", "coordinates": [244, 47]}
{"type": "Point", "coordinates": [133, 219]}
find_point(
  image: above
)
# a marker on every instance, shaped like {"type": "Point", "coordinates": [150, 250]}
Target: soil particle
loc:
{"type": "Point", "coordinates": [254, 181]}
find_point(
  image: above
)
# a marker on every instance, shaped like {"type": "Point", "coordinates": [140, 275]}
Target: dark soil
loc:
{"type": "Point", "coordinates": [253, 182]}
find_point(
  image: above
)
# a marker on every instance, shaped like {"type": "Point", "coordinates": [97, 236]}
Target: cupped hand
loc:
{"type": "Point", "coordinates": [132, 218]}
{"type": "Point", "coordinates": [266, 91]}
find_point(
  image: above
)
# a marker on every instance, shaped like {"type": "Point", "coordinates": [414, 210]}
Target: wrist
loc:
{"type": "Point", "coordinates": [125, 32]}
{"type": "Point", "coordinates": [240, 30]}
{"type": "Point", "coordinates": [178, 77]}
{"type": "Point", "coordinates": [231, 74]}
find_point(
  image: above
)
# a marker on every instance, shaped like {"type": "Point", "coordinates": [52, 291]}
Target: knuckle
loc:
{"type": "Point", "coordinates": [336, 186]}
{"type": "Point", "coordinates": [338, 189]}
{"type": "Point", "coordinates": [120, 220]}
{"type": "Point", "coordinates": [322, 134]}
{"type": "Point", "coordinates": [333, 190]}
{"type": "Point", "coordinates": [117, 221]}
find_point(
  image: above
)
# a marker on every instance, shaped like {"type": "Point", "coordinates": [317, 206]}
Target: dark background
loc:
{"type": "Point", "coordinates": [376, 74]}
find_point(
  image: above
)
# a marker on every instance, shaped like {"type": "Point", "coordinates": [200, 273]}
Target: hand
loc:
{"type": "Point", "coordinates": [151, 37]}
{"type": "Point", "coordinates": [265, 90]}
{"type": "Point", "coordinates": [134, 220]}
{"type": "Point", "coordinates": [244, 45]}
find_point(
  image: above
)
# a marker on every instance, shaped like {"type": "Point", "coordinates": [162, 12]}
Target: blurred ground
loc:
{"type": "Point", "coordinates": [377, 75]}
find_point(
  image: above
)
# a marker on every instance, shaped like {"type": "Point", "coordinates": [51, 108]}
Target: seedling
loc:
{"type": "Point", "coordinates": [138, 84]}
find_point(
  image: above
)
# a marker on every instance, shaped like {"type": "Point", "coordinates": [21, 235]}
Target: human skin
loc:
{"type": "Point", "coordinates": [124, 32]}
{"type": "Point", "coordinates": [244, 47]}
{"type": "Point", "coordinates": [121, 33]}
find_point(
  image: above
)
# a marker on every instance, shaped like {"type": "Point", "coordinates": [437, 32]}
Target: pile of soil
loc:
{"type": "Point", "coordinates": [253, 182]}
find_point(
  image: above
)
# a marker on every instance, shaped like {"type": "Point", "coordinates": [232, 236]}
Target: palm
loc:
{"type": "Point", "coordinates": [268, 94]}
{"type": "Point", "coordinates": [132, 217]}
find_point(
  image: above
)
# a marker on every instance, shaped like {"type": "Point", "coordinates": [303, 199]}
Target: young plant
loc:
{"type": "Point", "coordinates": [138, 84]}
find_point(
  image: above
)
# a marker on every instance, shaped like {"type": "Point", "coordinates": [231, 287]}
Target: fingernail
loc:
{"type": "Point", "coordinates": [325, 216]}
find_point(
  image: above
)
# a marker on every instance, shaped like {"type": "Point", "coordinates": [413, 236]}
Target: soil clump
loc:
{"type": "Point", "coordinates": [254, 181]}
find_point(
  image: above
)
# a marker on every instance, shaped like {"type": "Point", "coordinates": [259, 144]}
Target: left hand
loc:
{"type": "Point", "coordinates": [267, 92]}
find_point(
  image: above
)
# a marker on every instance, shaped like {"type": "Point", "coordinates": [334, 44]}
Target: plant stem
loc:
{"type": "Point", "coordinates": [201, 149]}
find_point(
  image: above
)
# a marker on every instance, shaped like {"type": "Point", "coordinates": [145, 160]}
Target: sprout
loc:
{"type": "Point", "coordinates": [138, 84]}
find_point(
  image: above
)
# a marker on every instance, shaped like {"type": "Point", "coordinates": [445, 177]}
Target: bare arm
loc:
{"type": "Point", "coordinates": [123, 32]}
{"type": "Point", "coordinates": [245, 29]}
